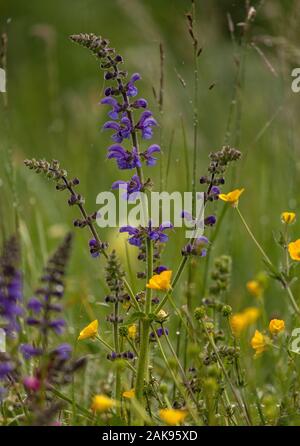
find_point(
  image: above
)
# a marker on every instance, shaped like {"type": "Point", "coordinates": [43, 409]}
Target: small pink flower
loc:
{"type": "Point", "coordinates": [31, 383]}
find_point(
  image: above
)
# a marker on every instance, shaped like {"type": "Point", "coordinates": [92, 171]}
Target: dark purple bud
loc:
{"type": "Point", "coordinates": [210, 220]}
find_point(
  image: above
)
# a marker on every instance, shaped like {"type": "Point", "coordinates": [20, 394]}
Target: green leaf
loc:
{"type": "Point", "coordinates": [135, 316]}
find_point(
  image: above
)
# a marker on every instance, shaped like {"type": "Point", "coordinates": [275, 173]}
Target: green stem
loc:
{"type": "Point", "coordinates": [143, 360]}
{"type": "Point", "coordinates": [265, 256]}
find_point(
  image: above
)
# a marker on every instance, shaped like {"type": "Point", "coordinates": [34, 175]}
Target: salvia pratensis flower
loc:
{"type": "Point", "coordinates": [124, 158]}
{"type": "Point", "coordinates": [197, 248]}
{"type": "Point", "coordinates": [44, 303]}
{"type": "Point", "coordinates": [132, 187]}
{"type": "Point", "coordinates": [10, 286]}
{"type": "Point", "coordinates": [138, 235]}
{"type": "Point", "coordinates": [118, 96]}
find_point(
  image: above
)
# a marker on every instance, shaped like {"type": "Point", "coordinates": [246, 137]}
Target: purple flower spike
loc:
{"type": "Point", "coordinates": [124, 158]}
{"type": "Point", "coordinates": [28, 351]}
{"type": "Point", "coordinates": [148, 154]}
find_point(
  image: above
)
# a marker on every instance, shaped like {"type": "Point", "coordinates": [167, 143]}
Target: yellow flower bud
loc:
{"type": "Point", "coordinates": [255, 288]}
{"type": "Point", "coordinates": [132, 331]}
{"type": "Point", "coordinates": [288, 217]}
{"type": "Point", "coordinates": [129, 394]}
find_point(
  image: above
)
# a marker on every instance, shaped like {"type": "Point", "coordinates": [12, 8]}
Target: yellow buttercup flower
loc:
{"type": "Point", "coordinates": [129, 394]}
{"type": "Point", "coordinates": [276, 326]}
{"type": "Point", "coordinates": [232, 197]}
{"type": "Point", "coordinates": [172, 417]}
{"type": "Point", "coordinates": [132, 331]}
{"type": "Point", "coordinates": [90, 331]}
{"type": "Point", "coordinates": [294, 250]}
{"type": "Point", "coordinates": [102, 403]}
{"type": "Point", "coordinates": [251, 314]}
{"type": "Point", "coordinates": [238, 324]}
{"type": "Point", "coordinates": [240, 321]}
{"type": "Point", "coordinates": [288, 217]}
{"type": "Point", "coordinates": [259, 342]}
{"type": "Point", "coordinates": [161, 281]}
{"type": "Point", "coordinates": [255, 288]}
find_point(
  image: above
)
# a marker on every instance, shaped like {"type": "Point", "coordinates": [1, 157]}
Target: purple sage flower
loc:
{"type": "Point", "coordinates": [133, 187]}
{"type": "Point", "coordinates": [63, 351]}
{"type": "Point", "coordinates": [145, 124]}
{"type": "Point", "coordinates": [28, 351]}
{"type": "Point", "coordinates": [160, 269]}
{"type": "Point", "coordinates": [148, 154]}
{"type": "Point", "coordinates": [124, 158]}
{"type": "Point", "coordinates": [130, 87]}
{"type": "Point", "coordinates": [5, 368]}
{"type": "Point", "coordinates": [122, 130]}
{"type": "Point", "coordinates": [35, 305]}
{"type": "Point", "coordinates": [116, 107]}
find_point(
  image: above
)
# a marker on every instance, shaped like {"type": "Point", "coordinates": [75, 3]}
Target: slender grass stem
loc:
{"type": "Point", "coordinates": [142, 368]}
{"type": "Point", "coordinates": [117, 350]}
{"type": "Point", "coordinates": [273, 268]}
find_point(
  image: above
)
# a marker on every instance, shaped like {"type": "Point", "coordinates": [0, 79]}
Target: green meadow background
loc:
{"type": "Point", "coordinates": [52, 111]}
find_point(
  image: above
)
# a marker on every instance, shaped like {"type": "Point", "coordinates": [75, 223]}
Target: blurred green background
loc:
{"type": "Point", "coordinates": [54, 89]}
